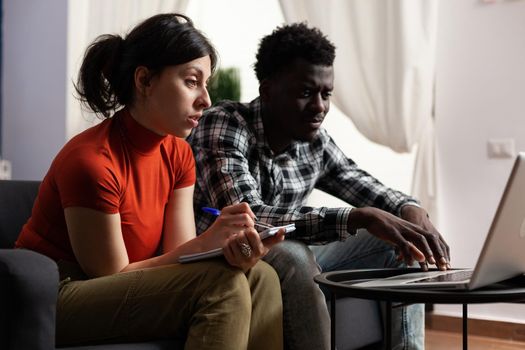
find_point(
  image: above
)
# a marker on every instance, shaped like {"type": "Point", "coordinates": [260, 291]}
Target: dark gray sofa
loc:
{"type": "Point", "coordinates": [29, 287]}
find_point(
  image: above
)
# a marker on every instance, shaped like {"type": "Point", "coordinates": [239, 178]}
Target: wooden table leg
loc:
{"type": "Point", "coordinates": [465, 328]}
{"type": "Point", "coordinates": [332, 320]}
{"type": "Point", "coordinates": [388, 326]}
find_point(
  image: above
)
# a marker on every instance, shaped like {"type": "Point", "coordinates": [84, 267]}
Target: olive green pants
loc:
{"type": "Point", "coordinates": [209, 303]}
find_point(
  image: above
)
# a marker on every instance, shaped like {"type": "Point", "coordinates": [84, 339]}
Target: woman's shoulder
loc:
{"type": "Point", "coordinates": [87, 149]}
{"type": "Point", "coordinates": [93, 136]}
{"type": "Point", "coordinates": [107, 133]}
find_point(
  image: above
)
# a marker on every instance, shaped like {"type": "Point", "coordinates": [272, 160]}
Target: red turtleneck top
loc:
{"type": "Point", "coordinates": [117, 166]}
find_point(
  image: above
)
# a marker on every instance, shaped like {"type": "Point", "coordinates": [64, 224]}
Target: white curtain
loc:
{"type": "Point", "coordinates": [384, 72]}
{"type": "Point", "coordinates": [89, 19]}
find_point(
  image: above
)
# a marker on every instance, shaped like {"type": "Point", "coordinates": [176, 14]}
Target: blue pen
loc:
{"type": "Point", "coordinates": [211, 211]}
{"type": "Point", "coordinates": [217, 212]}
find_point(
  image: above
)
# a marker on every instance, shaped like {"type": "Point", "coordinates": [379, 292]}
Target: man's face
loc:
{"type": "Point", "coordinates": [297, 101]}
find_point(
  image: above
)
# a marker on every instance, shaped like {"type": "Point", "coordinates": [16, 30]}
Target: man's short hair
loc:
{"type": "Point", "coordinates": [286, 44]}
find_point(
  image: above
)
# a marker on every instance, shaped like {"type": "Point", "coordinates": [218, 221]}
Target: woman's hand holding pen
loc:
{"type": "Point", "coordinates": [234, 231]}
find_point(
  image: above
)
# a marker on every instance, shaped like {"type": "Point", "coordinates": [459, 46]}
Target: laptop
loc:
{"type": "Point", "coordinates": [502, 256]}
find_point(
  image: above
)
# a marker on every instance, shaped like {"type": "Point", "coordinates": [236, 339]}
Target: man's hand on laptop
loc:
{"type": "Point", "coordinates": [419, 216]}
{"type": "Point", "coordinates": [413, 234]}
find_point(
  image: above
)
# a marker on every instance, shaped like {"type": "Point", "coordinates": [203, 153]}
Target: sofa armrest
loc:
{"type": "Point", "coordinates": [28, 297]}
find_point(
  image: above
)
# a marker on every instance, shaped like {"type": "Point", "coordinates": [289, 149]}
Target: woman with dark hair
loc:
{"type": "Point", "coordinates": [115, 208]}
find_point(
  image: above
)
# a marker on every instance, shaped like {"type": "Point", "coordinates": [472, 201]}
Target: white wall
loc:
{"type": "Point", "coordinates": [479, 95]}
{"type": "Point", "coordinates": [33, 86]}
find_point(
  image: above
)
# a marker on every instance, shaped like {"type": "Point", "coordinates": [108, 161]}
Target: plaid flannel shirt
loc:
{"type": "Point", "coordinates": [234, 163]}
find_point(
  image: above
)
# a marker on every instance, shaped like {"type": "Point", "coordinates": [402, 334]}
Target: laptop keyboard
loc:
{"type": "Point", "coordinates": [449, 277]}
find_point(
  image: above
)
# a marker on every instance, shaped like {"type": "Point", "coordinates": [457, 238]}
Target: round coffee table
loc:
{"type": "Point", "coordinates": [341, 283]}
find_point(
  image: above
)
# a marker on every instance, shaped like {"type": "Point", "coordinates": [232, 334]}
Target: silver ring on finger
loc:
{"type": "Point", "coordinates": [246, 250]}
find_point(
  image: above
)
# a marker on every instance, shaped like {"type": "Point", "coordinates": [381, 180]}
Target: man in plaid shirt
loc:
{"type": "Point", "coordinates": [272, 152]}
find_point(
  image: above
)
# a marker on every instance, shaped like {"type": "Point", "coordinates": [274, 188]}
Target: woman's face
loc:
{"type": "Point", "coordinates": [175, 99]}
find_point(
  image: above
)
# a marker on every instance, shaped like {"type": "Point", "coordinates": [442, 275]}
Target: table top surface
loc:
{"type": "Point", "coordinates": [342, 284]}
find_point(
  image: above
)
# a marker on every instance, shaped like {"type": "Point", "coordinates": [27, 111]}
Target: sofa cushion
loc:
{"type": "Point", "coordinates": [16, 203]}
{"type": "Point", "coordinates": [28, 293]}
